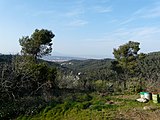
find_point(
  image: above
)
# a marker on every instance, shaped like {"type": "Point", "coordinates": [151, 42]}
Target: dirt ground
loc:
{"type": "Point", "coordinates": [148, 111]}
{"type": "Point", "coordinates": [134, 114]}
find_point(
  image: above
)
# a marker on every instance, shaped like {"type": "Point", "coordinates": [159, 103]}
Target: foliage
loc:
{"type": "Point", "coordinates": [23, 78]}
{"type": "Point", "coordinates": [6, 82]}
{"type": "Point", "coordinates": [125, 64]}
{"type": "Point", "coordinates": [24, 106]}
{"type": "Point", "coordinates": [38, 44]}
{"type": "Point", "coordinates": [33, 77]}
{"type": "Point", "coordinates": [68, 81]}
{"type": "Point", "coordinates": [150, 71]}
{"type": "Point", "coordinates": [126, 56]}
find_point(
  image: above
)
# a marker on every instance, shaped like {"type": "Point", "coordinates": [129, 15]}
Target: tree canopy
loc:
{"type": "Point", "coordinates": [126, 56]}
{"type": "Point", "coordinates": [38, 44]}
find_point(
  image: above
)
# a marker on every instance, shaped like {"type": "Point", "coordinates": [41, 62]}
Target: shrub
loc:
{"type": "Point", "coordinates": [24, 106]}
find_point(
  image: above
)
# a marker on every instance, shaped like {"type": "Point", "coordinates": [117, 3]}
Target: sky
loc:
{"type": "Point", "coordinates": [82, 28]}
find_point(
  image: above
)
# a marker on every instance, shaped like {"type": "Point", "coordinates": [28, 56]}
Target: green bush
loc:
{"type": "Point", "coordinates": [25, 106]}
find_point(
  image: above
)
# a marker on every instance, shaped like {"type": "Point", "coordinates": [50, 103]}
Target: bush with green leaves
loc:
{"type": "Point", "coordinates": [27, 106]}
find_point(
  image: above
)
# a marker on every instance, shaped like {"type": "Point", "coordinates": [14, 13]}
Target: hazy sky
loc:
{"type": "Point", "coordinates": [86, 28]}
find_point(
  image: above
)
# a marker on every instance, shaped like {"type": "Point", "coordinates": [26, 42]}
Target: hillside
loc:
{"type": "Point", "coordinates": [70, 63]}
{"type": "Point", "coordinates": [5, 58]}
{"type": "Point", "coordinates": [87, 65]}
{"type": "Point", "coordinates": [79, 64]}
{"type": "Point", "coordinates": [61, 58]}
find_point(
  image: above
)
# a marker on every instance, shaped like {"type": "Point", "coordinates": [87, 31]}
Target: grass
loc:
{"type": "Point", "coordinates": [95, 107]}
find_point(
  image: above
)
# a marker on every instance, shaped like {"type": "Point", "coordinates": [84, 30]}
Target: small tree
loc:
{"type": "Point", "coordinates": [126, 59]}
{"type": "Point", "coordinates": [37, 77]}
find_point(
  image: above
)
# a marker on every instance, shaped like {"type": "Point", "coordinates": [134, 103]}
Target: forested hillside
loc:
{"type": "Point", "coordinates": [87, 65]}
{"type": "Point", "coordinates": [151, 60]}
{"type": "Point", "coordinates": [6, 58]}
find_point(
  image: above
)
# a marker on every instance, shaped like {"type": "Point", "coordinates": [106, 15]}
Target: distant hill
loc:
{"type": "Point", "coordinates": [5, 58]}
{"type": "Point", "coordinates": [75, 64]}
{"type": "Point", "coordinates": [61, 58]}
{"type": "Point", "coordinates": [87, 65]}
{"type": "Point", "coordinates": [154, 54]}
